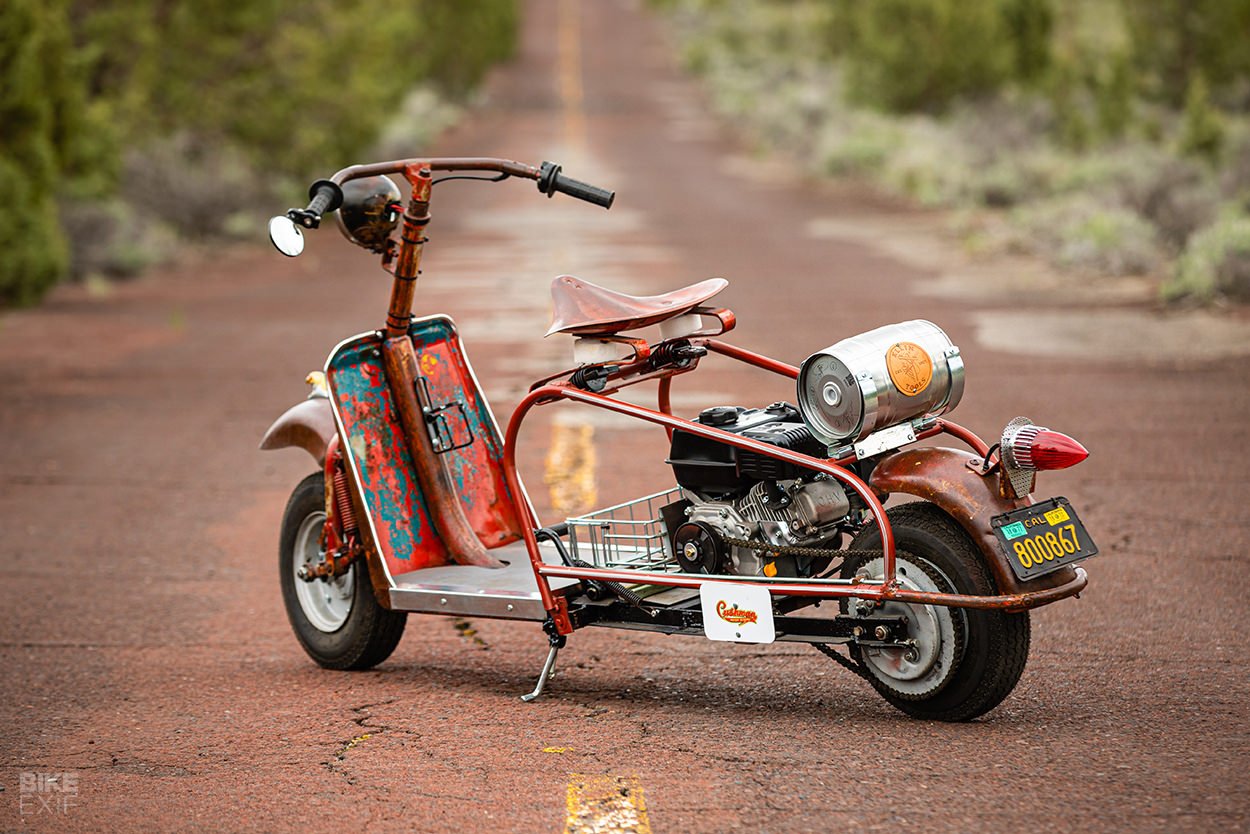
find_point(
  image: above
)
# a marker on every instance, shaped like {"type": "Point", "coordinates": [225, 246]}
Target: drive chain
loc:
{"type": "Point", "coordinates": [792, 550]}
{"type": "Point", "coordinates": [829, 651]}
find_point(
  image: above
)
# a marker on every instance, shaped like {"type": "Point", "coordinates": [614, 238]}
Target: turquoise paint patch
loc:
{"type": "Point", "coordinates": [1014, 531]}
{"type": "Point", "coordinates": [387, 474]}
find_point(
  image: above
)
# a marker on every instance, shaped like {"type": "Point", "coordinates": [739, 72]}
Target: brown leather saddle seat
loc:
{"type": "Point", "coordinates": [585, 309]}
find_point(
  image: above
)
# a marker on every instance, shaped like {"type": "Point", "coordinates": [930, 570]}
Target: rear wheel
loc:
{"type": "Point", "coordinates": [964, 661]}
{"type": "Point", "coordinates": [338, 621]}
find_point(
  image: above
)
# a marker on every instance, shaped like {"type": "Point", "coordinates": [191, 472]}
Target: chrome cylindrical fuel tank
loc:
{"type": "Point", "coordinates": [879, 379]}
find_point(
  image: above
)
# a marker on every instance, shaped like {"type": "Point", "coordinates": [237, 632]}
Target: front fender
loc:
{"type": "Point", "coordinates": [308, 425]}
{"type": "Point", "coordinates": [942, 476]}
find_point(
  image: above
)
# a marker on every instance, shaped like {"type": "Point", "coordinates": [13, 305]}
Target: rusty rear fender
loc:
{"type": "Point", "coordinates": [942, 477]}
{"type": "Point", "coordinates": [308, 425]}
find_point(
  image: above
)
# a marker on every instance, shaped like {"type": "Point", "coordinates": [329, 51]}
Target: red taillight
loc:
{"type": "Point", "coordinates": [1032, 447]}
{"type": "Point", "coordinates": [1053, 450]}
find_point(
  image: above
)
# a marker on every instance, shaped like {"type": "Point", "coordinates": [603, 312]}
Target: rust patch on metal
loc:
{"type": "Point", "coordinates": [942, 476]}
{"type": "Point", "coordinates": [400, 509]}
{"type": "Point", "coordinates": [431, 472]}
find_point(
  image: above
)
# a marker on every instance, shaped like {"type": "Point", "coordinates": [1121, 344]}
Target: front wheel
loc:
{"type": "Point", "coordinates": [964, 661]}
{"type": "Point", "coordinates": [338, 621]}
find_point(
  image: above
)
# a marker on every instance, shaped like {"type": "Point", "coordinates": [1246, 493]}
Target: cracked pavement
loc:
{"type": "Point", "coordinates": [145, 647]}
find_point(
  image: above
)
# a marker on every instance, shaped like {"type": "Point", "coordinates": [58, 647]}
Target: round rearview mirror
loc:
{"type": "Point", "coordinates": [286, 236]}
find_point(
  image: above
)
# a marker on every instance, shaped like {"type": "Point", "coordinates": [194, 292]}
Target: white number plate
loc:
{"type": "Point", "coordinates": [737, 613]}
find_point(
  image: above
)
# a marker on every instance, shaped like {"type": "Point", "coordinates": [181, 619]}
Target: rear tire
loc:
{"type": "Point", "coordinates": [338, 621]}
{"type": "Point", "coordinates": [988, 648]}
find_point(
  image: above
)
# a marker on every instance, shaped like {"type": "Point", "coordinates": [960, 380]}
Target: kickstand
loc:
{"type": "Point", "coordinates": [557, 642]}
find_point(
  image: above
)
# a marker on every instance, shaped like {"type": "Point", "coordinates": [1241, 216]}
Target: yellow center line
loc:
{"type": "Point", "coordinates": [570, 463]}
{"type": "Point", "coordinates": [597, 804]}
{"type": "Point", "coordinates": [606, 804]}
{"type": "Point", "coordinates": [570, 468]}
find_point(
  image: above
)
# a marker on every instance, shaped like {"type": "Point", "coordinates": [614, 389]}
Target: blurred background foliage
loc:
{"type": "Point", "coordinates": [128, 125]}
{"type": "Point", "coordinates": [1110, 136]}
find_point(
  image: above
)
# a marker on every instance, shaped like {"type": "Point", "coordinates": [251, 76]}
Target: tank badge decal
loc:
{"type": "Point", "coordinates": [911, 369]}
{"type": "Point", "coordinates": [735, 615]}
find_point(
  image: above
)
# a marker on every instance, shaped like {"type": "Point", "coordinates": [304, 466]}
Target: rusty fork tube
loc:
{"type": "Point", "coordinates": [408, 264]}
{"type": "Point", "coordinates": [437, 485]}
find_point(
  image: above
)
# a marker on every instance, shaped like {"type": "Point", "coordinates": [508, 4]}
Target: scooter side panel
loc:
{"type": "Point", "coordinates": [477, 468]}
{"type": "Point", "coordinates": [376, 448]}
{"type": "Point", "coordinates": [398, 515]}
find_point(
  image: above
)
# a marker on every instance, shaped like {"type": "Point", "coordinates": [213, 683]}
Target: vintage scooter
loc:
{"type": "Point", "coordinates": [417, 504]}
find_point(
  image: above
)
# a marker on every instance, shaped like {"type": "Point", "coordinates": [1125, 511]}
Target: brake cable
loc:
{"type": "Point", "coordinates": [502, 176]}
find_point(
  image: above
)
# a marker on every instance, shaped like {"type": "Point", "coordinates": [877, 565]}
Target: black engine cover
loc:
{"type": "Point", "coordinates": [710, 467]}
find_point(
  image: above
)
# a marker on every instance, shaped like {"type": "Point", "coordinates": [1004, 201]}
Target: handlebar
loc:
{"type": "Point", "coordinates": [327, 195]}
{"type": "Point", "coordinates": [550, 180]}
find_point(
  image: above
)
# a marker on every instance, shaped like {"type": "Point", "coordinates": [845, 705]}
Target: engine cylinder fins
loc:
{"type": "Point", "coordinates": [699, 548]}
{"type": "Point", "coordinates": [820, 503]}
{"type": "Point", "coordinates": [879, 379]}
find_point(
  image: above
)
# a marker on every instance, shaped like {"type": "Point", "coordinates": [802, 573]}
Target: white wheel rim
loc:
{"type": "Point", "coordinates": [928, 668]}
{"type": "Point", "coordinates": [325, 602]}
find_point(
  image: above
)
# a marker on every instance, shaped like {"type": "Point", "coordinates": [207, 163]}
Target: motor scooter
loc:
{"type": "Point", "coordinates": [774, 508]}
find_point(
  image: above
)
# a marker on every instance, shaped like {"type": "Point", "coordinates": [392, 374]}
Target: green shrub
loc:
{"type": "Point", "coordinates": [34, 252]}
{"type": "Point", "coordinates": [1178, 196]}
{"type": "Point", "coordinates": [928, 167]}
{"type": "Point", "coordinates": [1029, 24]}
{"type": "Point", "coordinates": [297, 86]}
{"type": "Point", "coordinates": [1174, 40]}
{"type": "Point", "coordinates": [1216, 262]}
{"type": "Point", "coordinates": [1083, 232]}
{"type": "Point", "coordinates": [213, 100]}
{"type": "Point", "coordinates": [920, 55]}
{"type": "Point", "coordinates": [1114, 95]}
{"type": "Point", "coordinates": [43, 119]}
{"type": "Point", "coordinates": [1070, 107]}
{"type": "Point", "coordinates": [1202, 128]}
{"type": "Point", "coordinates": [858, 145]}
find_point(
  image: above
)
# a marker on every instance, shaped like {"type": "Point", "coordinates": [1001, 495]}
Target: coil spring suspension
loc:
{"type": "Point", "coordinates": [343, 500]}
{"type": "Point", "coordinates": [676, 353]}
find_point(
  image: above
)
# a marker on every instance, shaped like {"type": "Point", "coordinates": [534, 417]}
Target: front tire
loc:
{"type": "Point", "coordinates": [966, 660]}
{"type": "Point", "coordinates": [338, 621]}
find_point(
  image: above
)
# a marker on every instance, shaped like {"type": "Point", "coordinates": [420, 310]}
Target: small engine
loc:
{"type": "Point", "coordinates": [741, 495]}
{"type": "Point", "coordinates": [746, 513]}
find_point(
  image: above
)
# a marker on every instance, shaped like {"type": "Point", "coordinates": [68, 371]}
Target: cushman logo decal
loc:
{"type": "Point", "coordinates": [734, 615]}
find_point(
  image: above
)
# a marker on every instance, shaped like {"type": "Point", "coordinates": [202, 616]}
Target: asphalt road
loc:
{"type": "Point", "coordinates": [149, 670]}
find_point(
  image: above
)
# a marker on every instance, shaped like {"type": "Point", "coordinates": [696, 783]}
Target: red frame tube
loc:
{"type": "Point", "coordinates": [956, 430]}
{"type": "Point", "coordinates": [886, 589]}
{"type": "Point", "coordinates": [556, 391]}
{"type": "Point", "coordinates": [759, 360]}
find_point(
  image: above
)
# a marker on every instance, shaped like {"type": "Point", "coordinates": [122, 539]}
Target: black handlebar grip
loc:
{"type": "Point", "coordinates": [585, 191]}
{"type": "Point", "coordinates": [326, 196]}
{"type": "Point", "coordinates": [550, 180]}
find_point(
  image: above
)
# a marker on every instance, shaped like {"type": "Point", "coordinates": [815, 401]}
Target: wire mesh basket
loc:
{"type": "Point", "coordinates": [630, 535]}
